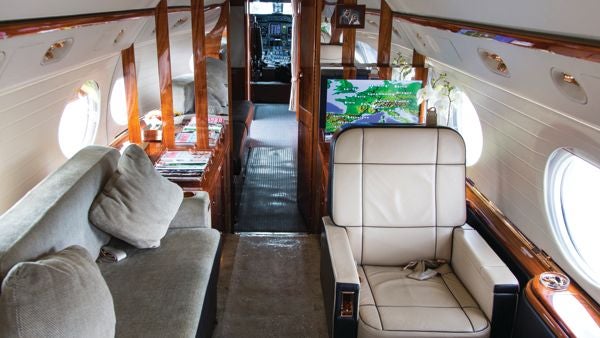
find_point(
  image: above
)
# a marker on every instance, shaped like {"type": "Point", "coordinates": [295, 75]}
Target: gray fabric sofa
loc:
{"type": "Point", "coordinates": [169, 291]}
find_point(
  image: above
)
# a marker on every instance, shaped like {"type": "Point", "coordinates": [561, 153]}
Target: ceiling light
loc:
{"type": "Point", "coordinates": [57, 51]}
{"type": "Point", "coordinates": [494, 62]}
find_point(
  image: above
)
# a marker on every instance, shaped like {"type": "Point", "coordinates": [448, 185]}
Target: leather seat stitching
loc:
{"type": "Point", "coordinates": [374, 300]}
{"type": "Point", "coordinates": [459, 305]}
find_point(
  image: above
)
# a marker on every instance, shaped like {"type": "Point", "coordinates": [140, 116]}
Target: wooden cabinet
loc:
{"type": "Point", "coordinates": [216, 179]}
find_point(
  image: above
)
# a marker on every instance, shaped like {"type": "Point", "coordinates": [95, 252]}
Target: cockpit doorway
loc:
{"type": "Point", "coordinates": [266, 191]}
{"type": "Point", "coordinates": [270, 51]}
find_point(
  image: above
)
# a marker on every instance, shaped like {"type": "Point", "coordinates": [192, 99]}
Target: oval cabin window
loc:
{"type": "Point", "coordinates": [572, 192]}
{"type": "Point", "coordinates": [118, 102]}
{"type": "Point", "coordinates": [455, 110]}
{"type": "Point", "coordinates": [79, 121]}
{"type": "Point", "coordinates": [469, 126]}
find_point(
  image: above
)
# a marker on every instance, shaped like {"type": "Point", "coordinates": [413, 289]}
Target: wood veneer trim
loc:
{"type": "Point", "coordinates": [534, 262]}
{"type": "Point", "coordinates": [421, 73]}
{"type": "Point", "coordinates": [212, 41]}
{"type": "Point", "coordinates": [13, 28]}
{"type": "Point", "coordinates": [349, 48]}
{"type": "Point", "coordinates": [541, 310]}
{"type": "Point", "coordinates": [200, 85]}
{"type": "Point", "coordinates": [164, 73]}
{"type": "Point", "coordinates": [384, 46]}
{"type": "Point", "coordinates": [131, 94]}
{"type": "Point", "coordinates": [585, 49]}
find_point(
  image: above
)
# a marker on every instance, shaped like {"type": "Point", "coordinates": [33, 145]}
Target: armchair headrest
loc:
{"type": "Point", "coordinates": [407, 176]}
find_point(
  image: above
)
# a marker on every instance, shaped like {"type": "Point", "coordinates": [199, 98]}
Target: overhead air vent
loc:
{"type": "Point", "coordinates": [568, 85]}
{"type": "Point", "coordinates": [57, 51]}
{"type": "Point", "coordinates": [494, 62]}
{"type": "Point", "coordinates": [180, 22]}
{"type": "Point", "coordinates": [119, 36]}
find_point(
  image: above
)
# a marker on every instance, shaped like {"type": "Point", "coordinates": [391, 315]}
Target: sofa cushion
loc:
{"type": "Point", "coordinates": [61, 295]}
{"type": "Point", "coordinates": [194, 212]}
{"type": "Point", "coordinates": [137, 204]}
{"type": "Point", "coordinates": [54, 215]}
{"type": "Point", "coordinates": [160, 292]}
{"type": "Point", "coordinates": [392, 305]}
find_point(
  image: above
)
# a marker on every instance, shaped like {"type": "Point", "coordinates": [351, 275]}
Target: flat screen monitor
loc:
{"type": "Point", "coordinates": [370, 102]}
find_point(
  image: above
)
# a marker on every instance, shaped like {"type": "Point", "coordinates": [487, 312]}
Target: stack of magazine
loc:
{"type": "Point", "coordinates": [188, 133]}
{"type": "Point", "coordinates": [183, 165]}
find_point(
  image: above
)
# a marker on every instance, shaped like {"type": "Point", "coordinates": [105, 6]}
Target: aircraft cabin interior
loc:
{"type": "Point", "coordinates": [300, 168]}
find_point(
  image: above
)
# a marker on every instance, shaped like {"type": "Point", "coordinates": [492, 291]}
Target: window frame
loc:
{"type": "Point", "coordinates": [557, 165]}
{"type": "Point", "coordinates": [92, 123]}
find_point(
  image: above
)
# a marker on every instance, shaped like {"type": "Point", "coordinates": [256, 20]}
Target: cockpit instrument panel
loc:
{"type": "Point", "coordinates": [276, 33]}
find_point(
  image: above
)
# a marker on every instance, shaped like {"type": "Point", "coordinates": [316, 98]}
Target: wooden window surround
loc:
{"type": "Point", "coordinates": [582, 311]}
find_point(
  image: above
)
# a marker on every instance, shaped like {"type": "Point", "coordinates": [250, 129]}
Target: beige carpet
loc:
{"type": "Point", "coordinates": [269, 287]}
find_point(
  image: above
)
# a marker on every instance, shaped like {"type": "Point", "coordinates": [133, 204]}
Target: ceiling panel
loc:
{"type": "Point", "coordinates": [27, 9]}
{"type": "Point", "coordinates": [579, 18]}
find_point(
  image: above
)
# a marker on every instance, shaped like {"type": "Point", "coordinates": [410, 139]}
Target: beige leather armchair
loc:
{"type": "Point", "coordinates": [397, 195]}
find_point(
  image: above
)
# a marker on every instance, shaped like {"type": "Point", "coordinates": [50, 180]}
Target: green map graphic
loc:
{"type": "Point", "coordinates": [381, 102]}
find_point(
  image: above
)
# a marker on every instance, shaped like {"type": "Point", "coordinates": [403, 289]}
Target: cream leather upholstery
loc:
{"type": "Point", "coordinates": [398, 195]}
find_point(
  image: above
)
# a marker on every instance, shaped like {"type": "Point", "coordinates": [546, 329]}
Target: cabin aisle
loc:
{"type": "Point", "coordinates": [269, 287]}
{"type": "Point", "coordinates": [268, 201]}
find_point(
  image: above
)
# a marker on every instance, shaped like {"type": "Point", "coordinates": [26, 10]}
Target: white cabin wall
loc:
{"type": "Point", "coordinates": [180, 39]}
{"type": "Point", "coordinates": [524, 119]}
{"type": "Point", "coordinates": [29, 131]}
{"type": "Point", "coordinates": [33, 97]}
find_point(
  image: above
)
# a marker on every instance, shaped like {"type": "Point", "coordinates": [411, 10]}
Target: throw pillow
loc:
{"type": "Point", "coordinates": [137, 203]}
{"type": "Point", "coordinates": [60, 295]}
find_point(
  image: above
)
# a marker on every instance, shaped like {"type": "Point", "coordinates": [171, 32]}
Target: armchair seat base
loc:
{"type": "Point", "coordinates": [393, 305]}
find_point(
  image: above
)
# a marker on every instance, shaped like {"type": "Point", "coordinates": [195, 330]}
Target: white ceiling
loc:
{"type": "Point", "coordinates": [29, 9]}
{"type": "Point", "coordinates": [572, 18]}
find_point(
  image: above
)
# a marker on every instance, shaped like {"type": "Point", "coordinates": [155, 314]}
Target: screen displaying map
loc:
{"type": "Point", "coordinates": [370, 101]}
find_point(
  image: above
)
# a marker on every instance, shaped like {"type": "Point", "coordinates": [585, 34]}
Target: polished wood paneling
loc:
{"type": "Point", "coordinates": [567, 313]}
{"type": "Point", "coordinates": [9, 29]}
{"type": "Point", "coordinates": [200, 86]}
{"type": "Point", "coordinates": [568, 46]}
{"type": "Point", "coordinates": [131, 94]}
{"type": "Point", "coordinates": [421, 73]}
{"type": "Point", "coordinates": [227, 173]}
{"type": "Point", "coordinates": [349, 48]}
{"type": "Point", "coordinates": [212, 41]}
{"type": "Point", "coordinates": [308, 118]}
{"type": "Point", "coordinates": [384, 46]}
{"type": "Point", "coordinates": [164, 73]}
{"type": "Point", "coordinates": [248, 58]}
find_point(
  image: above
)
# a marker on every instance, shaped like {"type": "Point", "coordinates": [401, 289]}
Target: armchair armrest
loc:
{"type": "Point", "coordinates": [342, 260]}
{"type": "Point", "coordinates": [194, 212]}
{"type": "Point", "coordinates": [487, 278]}
{"type": "Point", "coordinates": [339, 281]}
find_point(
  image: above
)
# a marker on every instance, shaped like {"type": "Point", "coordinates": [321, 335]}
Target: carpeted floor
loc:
{"type": "Point", "coordinates": [268, 199]}
{"type": "Point", "coordinates": [269, 287]}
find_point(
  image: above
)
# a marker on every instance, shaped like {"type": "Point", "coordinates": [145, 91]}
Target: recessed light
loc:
{"type": "Point", "coordinates": [568, 85]}
{"type": "Point", "coordinates": [180, 22]}
{"type": "Point", "coordinates": [119, 36]}
{"type": "Point", "coordinates": [494, 62]}
{"type": "Point", "coordinates": [57, 51]}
